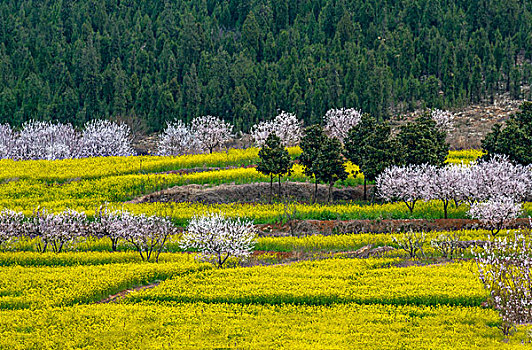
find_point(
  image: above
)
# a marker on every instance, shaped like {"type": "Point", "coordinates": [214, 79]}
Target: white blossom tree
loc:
{"type": "Point", "coordinates": [103, 138]}
{"type": "Point", "coordinates": [7, 141]}
{"type": "Point", "coordinates": [496, 212]}
{"type": "Point", "coordinates": [10, 225]}
{"type": "Point", "coordinates": [285, 125]}
{"type": "Point", "coordinates": [338, 122]}
{"type": "Point", "coordinates": [443, 119]}
{"type": "Point", "coordinates": [55, 230]}
{"type": "Point", "coordinates": [404, 183]}
{"type": "Point", "coordinates": [504, 267]}
{"type": "Point", "coordinates": [45, 140]}
{"type": "Point", "coordinates": [148, 234]}
{"type": "Point", "coordinates": [498, 177]}
{"type": "Point", "coordinates": [210, 132]}
{"type": "Point", "coordinates": [217, 237]}
{"type": "Point", "coordinates": [106, 224]}
{"type": "Point", "coordinates": [444, 184]}
{"type": "Point", "coordinates": [177, 139]}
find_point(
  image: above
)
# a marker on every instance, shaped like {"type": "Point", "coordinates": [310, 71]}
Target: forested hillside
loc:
{"type": "Point", "coordinates": [244, 60]}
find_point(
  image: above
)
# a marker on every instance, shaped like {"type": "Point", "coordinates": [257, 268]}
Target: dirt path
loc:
{"type": "Point", "coordinates": [116, 297]}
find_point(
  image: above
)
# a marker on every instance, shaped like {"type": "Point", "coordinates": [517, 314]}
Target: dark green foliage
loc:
{"type": "Point", "coordinates": [311, 144]}
{"type": "Point", "coordinates": [515, 139]}
{"type": "Point", "coordinates": [329, 165]}
{"type": "Point", "coordinates": [370, 146]}
{"type": "Point", "coordinates": [274, 160]}
{"type": "Point", "coordinates": [244, 60]}
{"type": "Point", "coordinates": [421, 142]}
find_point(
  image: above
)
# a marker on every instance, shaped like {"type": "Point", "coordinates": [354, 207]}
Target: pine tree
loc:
{"type": "Point", "coordinates": [369, 145]}
{"type": "Point", "coordinates": [329, 165]}
{"type": "Point", "coordinates": [274, 160]}
{"type": "Point", "coordinates": [515, 139]}
{"type": "Point", "coordinates": [421, 142]}
{"type": "Point", "coordinates": [311, 144]}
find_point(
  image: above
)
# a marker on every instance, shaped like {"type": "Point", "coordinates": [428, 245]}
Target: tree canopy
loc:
{"type": "Point", "coordinates": [515, 139]}
{"type": "Point", "coordinates": [245, 60]}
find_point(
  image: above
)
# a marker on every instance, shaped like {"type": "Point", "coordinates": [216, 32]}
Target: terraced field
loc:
{"type": "Point", "coordinates": [295, 292]}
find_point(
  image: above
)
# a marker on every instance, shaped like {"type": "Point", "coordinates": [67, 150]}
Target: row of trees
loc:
{"type": "Point", "coordinates": [488, 179]}
{"type": "Point", "coordinates": [244, 60]}
{"type": "Point", "coordinates": [366, 140]}
{"type": "Point", "coordinates": [361, 139]}
{"type": "Point", "coordinates": [214, 236]}
{"type": "Point", "coordinates": [409, 165]}
{"type": "Point", "coordinates": [45, 140]}
{"type": "Point", "coordinates": [148, 234]}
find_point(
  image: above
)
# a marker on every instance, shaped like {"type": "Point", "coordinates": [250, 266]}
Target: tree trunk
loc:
{"type": "Point", "coordinates": [330, 193]}
{"type": "Point", "coordinates": [365, 190]}
{"type": "Point", "coordinates": [271, 188]}
{"type": "Point", "coordinates": [315, 191]}
{"type": "Point", "coordinates": [279, 186]}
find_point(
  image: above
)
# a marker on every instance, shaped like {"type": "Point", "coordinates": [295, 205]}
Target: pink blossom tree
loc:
{"type": "Point", "coordinates": [45, 140]}
{"type": "Point", "coordinates": [504, 267]}
{"type": "Point", "coordinates": [148, 234]}
{"type": "Point", "coordinates": [404, 183]}
{"type": "Point", "coordinates": [443, 119]}
{"type": "Point", "coordinates": [55, 230]}
{"type": "Point", "coordinates": [499, 177]}
{"type": "Point", "coordinates": [11, 225]}
{"type": "Point", "coordinates": [7, 141]}
{"type": "Point", "coordinates": [444, 185]}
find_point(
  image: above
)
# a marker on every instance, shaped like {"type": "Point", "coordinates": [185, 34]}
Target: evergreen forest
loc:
{"type": "Point", "coordinates": [245, 60]}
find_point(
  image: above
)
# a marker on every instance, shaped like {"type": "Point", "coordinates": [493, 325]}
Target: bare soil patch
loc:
{"type": "Point", "coordinates": [249, 193]}
{"type": "Point", "coordinates": [332, 227]}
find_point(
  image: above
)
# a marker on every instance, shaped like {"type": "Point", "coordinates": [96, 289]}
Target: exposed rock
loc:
{"type": "Point", "coordinates": [364, 252]}
{"type": "Point", "coordinates": [379, 251]}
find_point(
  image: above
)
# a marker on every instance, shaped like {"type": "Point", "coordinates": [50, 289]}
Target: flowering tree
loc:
{"type": "Point", "coordinates": [504, 267]}
{"type": "Point", "coordinates": [444, 185]}
{"type": "Point", "coordinates": [261, 131]}
{"type": "Point", "coordinates": [338, 122]}
{"type": "Point", "coordinates": [495, 213]}
{"type": "Point", "coordinates": [285, 125]}
{"type": "Point", "coordinates": [446, 244]}
{"type": "Point", "coordinates": [7, 141]}
{"type": "Point", "coordinates": [217, 237]}
{"type": "Point", "coordinates": [410, 242]}
{"type": "Point", "coordinates": [64, 227]}
{"type": "Point", "coordinates": [210, 132]}
{"type": "Point", "coordinates": [177, 139]}
{"type": "Point", "coordinates": [404, 183]}
{"type": "Point", "coordinates": [443, 119]}
{"type": "Point", "coordinates": [148, 234]}
{"type": "Point", "coordinates": [105, 225]}
{"type": "Point", "coordinates": [497, 177]}
{"type": "Point", "coordinates": [55, 230]}
{"type": "Point", "coordinates": [45, 140]}
{"type": "Point", "coordinates": [10, 225]}
{"type": "Point", "coordinates": [103, 138]}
